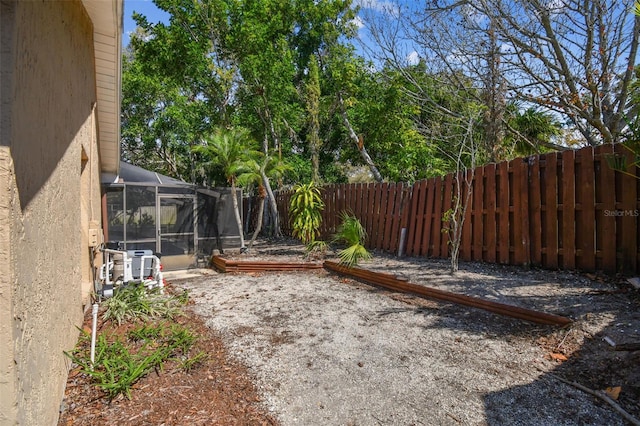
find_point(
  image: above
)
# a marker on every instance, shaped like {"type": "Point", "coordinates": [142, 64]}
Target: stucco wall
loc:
{"type": "Point", "coordinates": [48, 157]}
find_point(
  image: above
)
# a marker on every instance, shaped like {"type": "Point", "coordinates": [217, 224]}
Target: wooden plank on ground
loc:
{"type": "Point", "coordinates": [231, 265]}
{"type": "Point", "coordinates": [392, 283]}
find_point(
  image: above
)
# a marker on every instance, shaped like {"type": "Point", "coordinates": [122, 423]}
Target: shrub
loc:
{"type": "Point", "coordinates": [354, 235]}
{"type": "Point", "coordinates": [305, 207]}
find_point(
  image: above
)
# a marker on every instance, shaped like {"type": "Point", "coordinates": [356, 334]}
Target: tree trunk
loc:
{"type": "Point", "coordinates": [494, 97]}
{"type": "Point", "coordinates": [354, 137]}
{"type": "Point", "coordinates": [272, 204]}
{"type": "Point", "coordinates": [260, 213]}
{"type": "Point", "coordinates": [236, 211]}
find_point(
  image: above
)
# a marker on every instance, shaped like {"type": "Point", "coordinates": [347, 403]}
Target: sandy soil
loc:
{"type": "Point", "coordinates": [326, 350]}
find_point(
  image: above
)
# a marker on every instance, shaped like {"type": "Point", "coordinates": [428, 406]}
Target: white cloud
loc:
{"type": "Point", "coordinates": [413, 58]}
{"type": "Point", "coordinates": [358, 22]}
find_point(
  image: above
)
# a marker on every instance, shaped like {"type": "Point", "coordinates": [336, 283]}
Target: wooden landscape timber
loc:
{"type": "Point", "coordinates": [392, 283]}
{"type": "Point", "coordinates": [228, 265]}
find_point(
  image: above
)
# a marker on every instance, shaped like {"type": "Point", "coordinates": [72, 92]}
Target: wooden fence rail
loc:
{"type": "Point", "coordinates": [566, 210]}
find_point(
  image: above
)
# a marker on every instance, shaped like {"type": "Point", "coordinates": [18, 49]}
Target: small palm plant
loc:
{"type": "Point", "coordinates": [234, 152]}
{"type": "Point", "coordinates": [354, 235]}
{"type": "Point", "coordinates": [305, 207]}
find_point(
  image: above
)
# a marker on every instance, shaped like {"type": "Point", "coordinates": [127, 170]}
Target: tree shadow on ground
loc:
{"type": "Point", "coordinates": [599, 308]}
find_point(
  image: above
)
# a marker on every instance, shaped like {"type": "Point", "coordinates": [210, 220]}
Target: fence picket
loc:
{"type": "Point", "coordinates": [551, 211]}
{"type": "Point", "coordinates": [585, 220]}
{"type": "Point", "coordinates": [388, 216]}
{"type": "Point", "coordinates": [364, 209]}
{"type": "Point", "coordinates": [503, 190]}
{"type": "Point", "coordinates": [447, 196]}
{"type": "Point", "coordinates": [423, 220]}
{"type": "Point", "coordinates": [525, 242]}
{"type": "Point", "coordinates": [384, 206]}
{"type": "Point", "coordinates": [535, 211]}
{"type": "Point", "coordinates": [478, 218]}
{"type": "Point", "coordinates": [605, 210]}
{"type": "Point", "coordinates": [436, 230]}
{"type": "Point", "coordinates": [568, 210]}
{"type": "Point", "coordinates": [396, 218]}
{"type": "Point", "coordinates": [490, 215]}
{"type": "Point", "coordinates": [467, 229]}
{"type": "Point", "coordinates": [629, 208]}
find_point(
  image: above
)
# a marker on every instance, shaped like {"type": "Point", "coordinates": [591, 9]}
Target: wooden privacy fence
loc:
{"type": "Point", "coordinates": [567, 210]}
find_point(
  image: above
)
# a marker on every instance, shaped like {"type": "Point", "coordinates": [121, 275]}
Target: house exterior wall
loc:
{"type": "Point", "coordinates": [49, 193]}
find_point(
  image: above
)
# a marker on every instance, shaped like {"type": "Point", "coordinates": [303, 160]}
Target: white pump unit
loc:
{"type": "Point", "coordinates": [128, 267]}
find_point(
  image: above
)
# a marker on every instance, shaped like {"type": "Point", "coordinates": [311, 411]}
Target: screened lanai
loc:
{"type": "Point", "coordinates": [144, 210]}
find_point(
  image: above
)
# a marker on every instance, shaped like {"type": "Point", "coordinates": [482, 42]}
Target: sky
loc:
{"type": "Point", "coordinates": [144, 7]}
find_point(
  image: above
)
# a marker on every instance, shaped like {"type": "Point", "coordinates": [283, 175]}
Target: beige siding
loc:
{"type": "Point", "coordinates": [49, 193]}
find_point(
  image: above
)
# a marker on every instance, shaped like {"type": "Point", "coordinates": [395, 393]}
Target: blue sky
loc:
{"type": "Point", "coordinates": [144, 7]}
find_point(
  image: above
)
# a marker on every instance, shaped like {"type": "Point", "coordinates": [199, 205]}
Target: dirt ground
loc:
{"type": "Point", "coordinates": [315, 348]}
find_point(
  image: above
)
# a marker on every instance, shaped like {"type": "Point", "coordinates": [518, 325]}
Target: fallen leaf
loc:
{"type": "Point", "coordinates": [613, 392]}
{"type": "Point", "coordinates": [558, 357]}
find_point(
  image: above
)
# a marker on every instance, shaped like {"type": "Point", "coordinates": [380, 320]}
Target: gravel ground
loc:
{"type": "Point", "coordinates": [327, 350]}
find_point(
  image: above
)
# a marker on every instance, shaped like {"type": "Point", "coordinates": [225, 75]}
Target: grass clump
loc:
{"type": "Point", "coordinates": [135, 302]}
{"type": "Point", "coordinates": [121, 359]}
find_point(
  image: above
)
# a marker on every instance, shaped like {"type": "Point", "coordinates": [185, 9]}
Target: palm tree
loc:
{"type": "Point", "coordinates": [533, 130]}
{"type": "Point", "coordinates": [270, 167]}
{"type": "Point", "coordinates": [233, 152]}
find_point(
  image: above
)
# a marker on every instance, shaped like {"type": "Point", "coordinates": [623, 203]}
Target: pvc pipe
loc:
{"type": "Point", "coordinates": [94, 312]}
{"type": "Point", "coordinates": [403, 237]}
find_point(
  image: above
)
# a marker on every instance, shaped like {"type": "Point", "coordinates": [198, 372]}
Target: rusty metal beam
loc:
{"type": "Point", "coordinates": [228, 265]}
{"type": "Point", "coordinates": [392, 283]}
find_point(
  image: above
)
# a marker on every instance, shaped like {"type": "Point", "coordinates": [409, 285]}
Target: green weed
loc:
{"type": "Point", "coordinates": [120, 362]}
{"type": "Point", "coordinates": [133, 302]}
